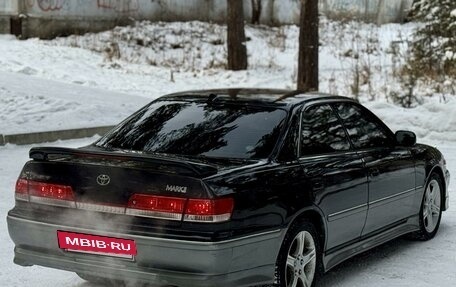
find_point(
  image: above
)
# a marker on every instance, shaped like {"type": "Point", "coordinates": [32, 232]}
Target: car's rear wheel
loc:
{"type": "Point", "coordinates": [431, 208]}
{"type": "Point", "coordinates": [299, 262]}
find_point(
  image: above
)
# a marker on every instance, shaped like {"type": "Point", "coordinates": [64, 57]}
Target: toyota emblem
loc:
{"type": "Point", "coordinates": [103, 179]}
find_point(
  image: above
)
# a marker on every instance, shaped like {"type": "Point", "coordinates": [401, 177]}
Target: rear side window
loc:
{"type": "Point", "coordinates": [200, 129]}
{"type": "Point", "coordinates": [364, 130]}
{"type": "Point", "coordinates": [290, 147]}
{"type": "Point", "coordinates": [322, 132]}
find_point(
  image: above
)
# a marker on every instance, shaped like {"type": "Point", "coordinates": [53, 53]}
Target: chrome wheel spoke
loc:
{"type": "Point", "coordinates": [301, 241]}
{"type": "Point", "coordinates": [431, 190]}
{"type": "Point", "coordinates": [291, 261]}
{"type": "Point", "coordinates": [425, 213]}
{"type": "Point", "coordinates": [293, 283]}
{"type": "Point", "coordinates": [309, 257]}
{"type": "Point", "coordinates": [304, 280]}
{"type": "Point", "coordinates": [435, 192]}
{"type": "Point", "coordinates": [430, 220]}
{"type": "Point", "coordinates": [435, 209]}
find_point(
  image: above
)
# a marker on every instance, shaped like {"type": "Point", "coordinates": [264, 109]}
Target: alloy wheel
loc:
{"type": "Point", "coordinates": [301, 261]}
{"type": "Point", "coordinates": [431, 208]}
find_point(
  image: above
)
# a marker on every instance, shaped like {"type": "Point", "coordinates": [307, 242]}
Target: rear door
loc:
{"type": "Point", "coordinates": [391, 169]}
{"type": "Point", "coordinates": [335, 172]}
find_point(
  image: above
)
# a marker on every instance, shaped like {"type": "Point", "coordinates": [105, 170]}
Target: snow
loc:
{"type": "Point", "coordinates": [159, 58]}
{"type": "Point", "coordinates": [453, 13]}
{"type": "Point", "coordinates": [42, 105]}
{"type": "Point", "coordinates": [434, 122]}
{"type": "Point", "coordinates": [84, 81]}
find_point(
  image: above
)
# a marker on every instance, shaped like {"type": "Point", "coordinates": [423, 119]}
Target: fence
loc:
{"type": "Point", "coordinates": [49, 18]}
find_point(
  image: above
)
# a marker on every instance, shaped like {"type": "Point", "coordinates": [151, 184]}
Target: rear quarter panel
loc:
{"type": "Point", "coordinates": [266, 197]}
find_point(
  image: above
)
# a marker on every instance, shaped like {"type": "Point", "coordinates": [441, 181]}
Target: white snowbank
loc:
{"type": "Point", "coordinates": [434, 122]}
{"type": "Point", "coordinates": [31, 104]}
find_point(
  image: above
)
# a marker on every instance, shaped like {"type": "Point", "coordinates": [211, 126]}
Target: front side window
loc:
{"type": "Point", "coordinates": [322, 132]}
{"type": "Point", "coordinates": [200, 129]}
{"type": "Point", "coordinates": [364, 130]}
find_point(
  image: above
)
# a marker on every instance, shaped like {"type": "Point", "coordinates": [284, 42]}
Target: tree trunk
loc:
{"type": "Point", "coordinates": [237, 51]}
{"type": "Point", "coordinates": [308, 46]}
{"type": "Point", "coordinates": [256, 11]}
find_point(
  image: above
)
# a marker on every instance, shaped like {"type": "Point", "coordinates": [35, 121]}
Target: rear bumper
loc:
{"type": "Point", "coordinates": [237, 262]}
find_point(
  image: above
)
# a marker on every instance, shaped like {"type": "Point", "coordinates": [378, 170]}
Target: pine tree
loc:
{"type": "Point", "coordinates": [434, 45]}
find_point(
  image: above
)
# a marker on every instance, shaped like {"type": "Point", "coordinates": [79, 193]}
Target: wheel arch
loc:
{"type": "Point", "coordinates": [316, 217]}
{"type": "Point", "coordinates": [438, 170]}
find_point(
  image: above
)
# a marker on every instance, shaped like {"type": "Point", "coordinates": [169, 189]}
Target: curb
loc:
{"type": "Point", "coordinates": [40, 137]}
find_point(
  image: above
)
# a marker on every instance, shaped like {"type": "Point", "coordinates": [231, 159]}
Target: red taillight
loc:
{"type": "Point", "coordinates": [148, 205]}
{"type": "Point", "coordinates": [46, 193]}
{"type": "Point", "coordinates": [156, 206]}
{"type": "Point", "coordinates": [22, 189]}
{"type": "Point", "coordinates": [41, 189]}
{"type": "Point", "coordinates": [209, 210]}
{"type": "Point", "coordinates": [196, 210]}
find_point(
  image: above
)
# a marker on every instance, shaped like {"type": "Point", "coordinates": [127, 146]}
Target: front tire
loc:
{"type": "Point", "coordinates": [431, 208]}
{"type": "Point", "coordinates": [299, 263]}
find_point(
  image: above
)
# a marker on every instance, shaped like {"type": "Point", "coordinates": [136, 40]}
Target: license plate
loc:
{"type": "Point", "coordinates": [95, 244]}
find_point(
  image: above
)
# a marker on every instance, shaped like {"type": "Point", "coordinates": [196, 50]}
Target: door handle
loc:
{"type": "Point", "coordinates": [314, 172]}
{"type": "Point", "coordinates": [318, 185]}
{"type": "Point", "coordinates": [374, 172]}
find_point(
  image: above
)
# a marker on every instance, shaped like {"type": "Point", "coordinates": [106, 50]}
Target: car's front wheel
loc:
{"type": "Point", "coordinates": [431, 208]}
{"type": "Point", "coordinates": [299, 262]}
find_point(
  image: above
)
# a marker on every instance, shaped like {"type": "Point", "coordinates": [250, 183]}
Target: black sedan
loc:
{"type": "Point", "coordinates": [233, 187]}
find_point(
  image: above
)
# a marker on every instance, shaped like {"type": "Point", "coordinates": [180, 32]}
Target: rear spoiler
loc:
{"type": "Point", "coordinates": [185, 166]}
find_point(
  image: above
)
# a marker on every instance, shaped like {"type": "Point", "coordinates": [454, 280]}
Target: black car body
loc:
{"type": "Point", "coordinates": [210, 184]}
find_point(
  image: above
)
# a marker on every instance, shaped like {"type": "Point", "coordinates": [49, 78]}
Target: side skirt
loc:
{"type": "Point", "coordinates": [334, 257]}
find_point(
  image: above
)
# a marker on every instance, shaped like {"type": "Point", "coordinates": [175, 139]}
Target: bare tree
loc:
{"type": "Point", "coordinates": [256, 11]}
{"type": "Point", "coordinates": [237, 51]}
{"type": "Point", "coordinates": [308, 46]}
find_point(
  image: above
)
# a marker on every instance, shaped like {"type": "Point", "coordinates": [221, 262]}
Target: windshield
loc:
{"type": "Point", "coordinates": [199, 129]}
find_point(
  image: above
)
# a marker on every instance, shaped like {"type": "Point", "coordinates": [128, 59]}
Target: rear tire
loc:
{"type": "Point", "coordinates": [300, 258]}
{"type": "Point", "coordinates": [431, 209]}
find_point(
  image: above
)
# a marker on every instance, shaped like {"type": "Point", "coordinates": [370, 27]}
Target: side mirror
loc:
{"type": "Point", "coordinates": [405, 138]}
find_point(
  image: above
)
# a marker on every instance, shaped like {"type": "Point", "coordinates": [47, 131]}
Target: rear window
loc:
{"type": "Point", "coordinates": [199, 129]}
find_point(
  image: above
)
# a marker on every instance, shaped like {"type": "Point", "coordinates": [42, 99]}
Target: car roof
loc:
{"type": "Point", "coordinates": [269, 97]}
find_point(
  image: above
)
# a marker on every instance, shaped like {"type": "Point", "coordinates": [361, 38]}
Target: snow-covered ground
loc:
{"type": "Point", "coordinates": [99, 79]}
{"type": "Point", "coordinates": [150, 59]}
{"type": "Point", "coordinates": [30, 104]}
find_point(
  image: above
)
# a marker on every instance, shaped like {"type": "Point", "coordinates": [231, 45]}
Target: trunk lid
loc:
{"type": "Point", "coordinates": [105, 177]}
